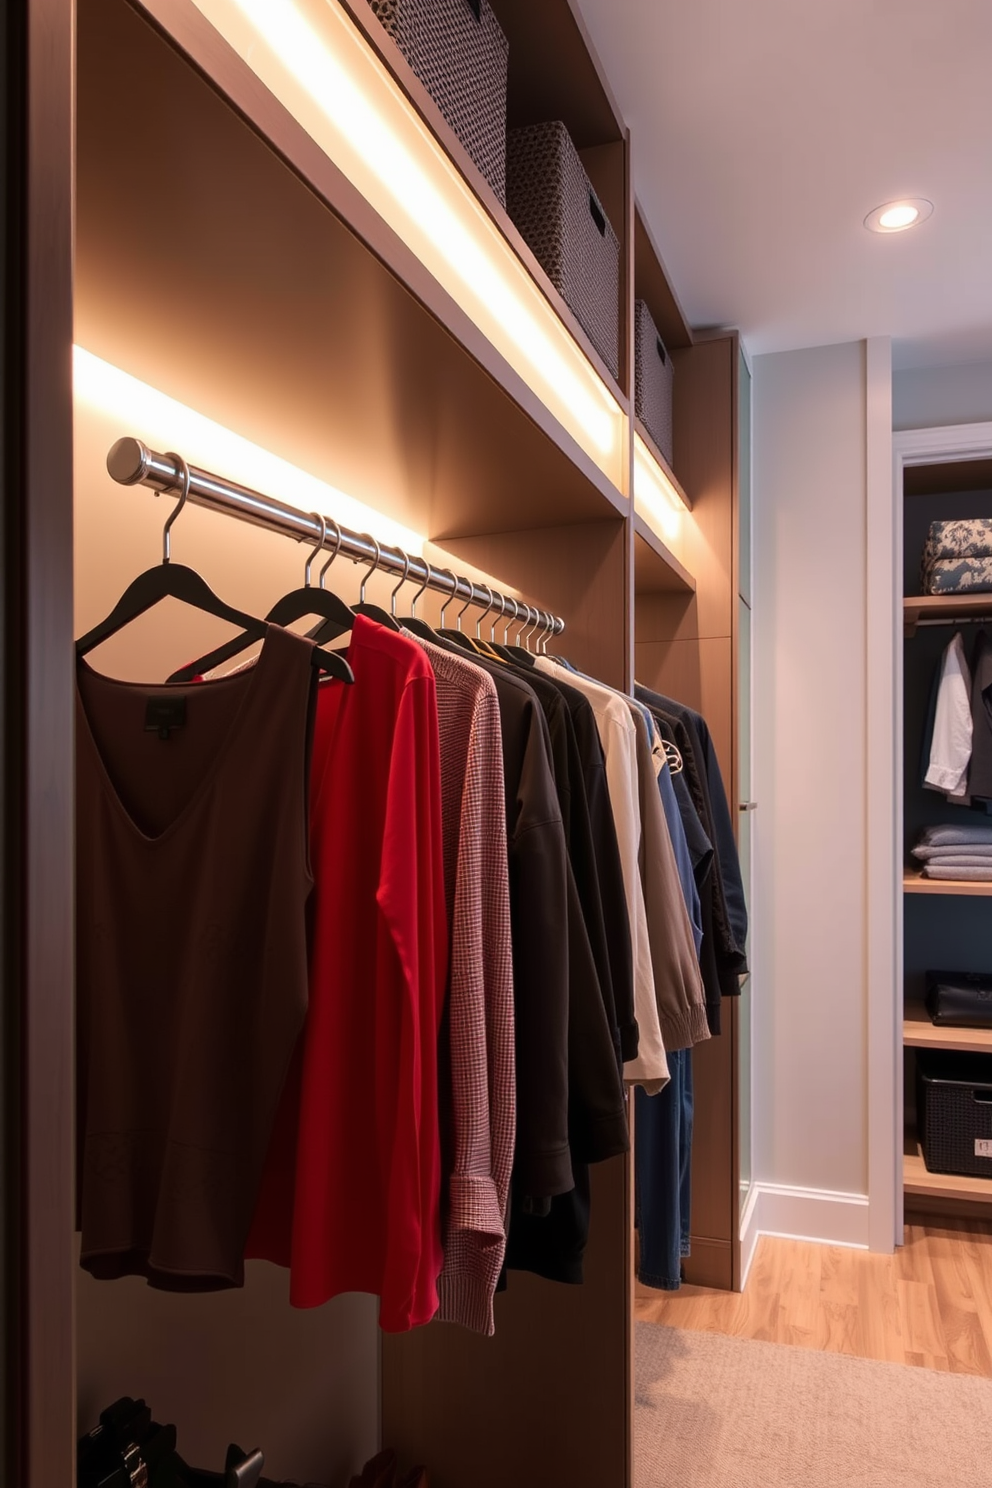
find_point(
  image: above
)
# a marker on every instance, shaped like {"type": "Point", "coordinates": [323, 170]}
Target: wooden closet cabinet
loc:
{"type": "Point", "coordinates": [174, 208]}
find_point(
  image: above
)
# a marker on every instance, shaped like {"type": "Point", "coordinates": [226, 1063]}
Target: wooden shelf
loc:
{"type": "Point", "coordinates": [920, 1033]}
{"type": "Point", "coordinates": [656, 568]}
{"type": "Point", "coordinates": [917, 607]}
{"type": "Point", "coordinates": [921, 1184]}
{"type": "Point", "coordinates": [913, 882]}
{"type": "Point", "coordinates": [354, 363]}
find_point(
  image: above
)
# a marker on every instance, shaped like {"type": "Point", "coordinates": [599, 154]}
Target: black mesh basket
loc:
{"type": "Point", "coordinates": [459, 53]}
{"type": "Point", "coordinates": [550, 199]}
{"type": "Point", "coordinates": [654, 378]}
{"type": "Point", "coordinates": [954, 1110]}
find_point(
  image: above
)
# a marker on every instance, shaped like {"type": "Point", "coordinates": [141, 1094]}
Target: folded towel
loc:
{"type": "Point", "coordinates": [950, 834]}
{"type": "Point", "coordinates": [958, 576]}
{"type": "Point", "coordinates": [981, 850]}
{"type": "Point", "coordinates": [958, 875]}
{"type": "Point", "coordinates": [967, 537]}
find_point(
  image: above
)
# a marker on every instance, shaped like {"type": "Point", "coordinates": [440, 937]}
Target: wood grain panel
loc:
{"type": "Point", "coordinates": [578, 572]}
{"type": "Point", "coordinates": [704, 418]}
{"type": "Point", "coordinates": [554, 72]}
{"type": "Point", "coordinates": [510, 1405]}
{"type": "Point", "coordinates": [39, 731]}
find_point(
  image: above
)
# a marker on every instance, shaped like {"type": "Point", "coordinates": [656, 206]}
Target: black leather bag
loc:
{"type": "Point", "coordinates": [960, 999]}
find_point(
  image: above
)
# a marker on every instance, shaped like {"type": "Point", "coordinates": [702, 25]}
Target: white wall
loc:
{"type": "Point", "coordinates": [925, 397]}
{"type": "Point", "coordinates": [810, 1020]}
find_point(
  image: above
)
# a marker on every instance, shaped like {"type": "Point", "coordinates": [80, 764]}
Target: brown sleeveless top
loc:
{"type": "Point", "coordinates": [191, 955]}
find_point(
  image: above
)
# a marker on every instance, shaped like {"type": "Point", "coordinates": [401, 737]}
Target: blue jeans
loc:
{"type": "Point", "coordinates": [662, 1175]}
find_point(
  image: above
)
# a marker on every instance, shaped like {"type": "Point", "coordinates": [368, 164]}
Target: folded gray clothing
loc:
{"type": "Point", "coordinates": [958, 576]}
{"type": "Point", "coordinates": [954, 834]}
{"type": "Point", "coordinates": [981, 850]}
{"type": "Point", "coordinates": [958, 875]}
{"type": "Point", "coordinates": [966, 537]}
{"type": "Point", "coordinates": [961, 860]}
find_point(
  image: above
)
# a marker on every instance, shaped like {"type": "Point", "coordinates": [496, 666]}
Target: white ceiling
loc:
{"type": "Point", "coordinates": [766, 130]}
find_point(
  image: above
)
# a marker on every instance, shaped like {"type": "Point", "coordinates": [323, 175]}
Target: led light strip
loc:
{"type": "Point", "coordinates": [659, 501]}
{"type": "Point", "coordinates": [161, 420]}
{"type": "Point", "coordinates": [310, 55]}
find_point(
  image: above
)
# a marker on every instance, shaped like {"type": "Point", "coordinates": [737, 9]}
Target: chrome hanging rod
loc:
{"type": "Point", "coordinates": [132, 463]}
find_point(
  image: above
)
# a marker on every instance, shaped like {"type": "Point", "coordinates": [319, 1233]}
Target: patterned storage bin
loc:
{"type": "Point", "coordinates": [550, 199]}
{"type": "Point", "coordinates": [654, 377]}
{"type": "Point", "coordinates": [958, 576]}
{"type": "Point", "coordinates": [954, 1111]}
{"type": "Point", "coordinates": [964, 537]}
{"type": "Point", "coordinates": [459, 52]}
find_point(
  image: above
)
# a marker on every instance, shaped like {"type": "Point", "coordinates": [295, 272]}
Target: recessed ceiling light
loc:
{"type": "Point", "coordinates": [898, 215]}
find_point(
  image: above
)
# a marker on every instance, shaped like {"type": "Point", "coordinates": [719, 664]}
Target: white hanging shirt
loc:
{"type": "Point", "coordinates": [950, 748]}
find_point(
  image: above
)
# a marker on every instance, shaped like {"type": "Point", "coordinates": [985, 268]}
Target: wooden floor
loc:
{"type": "Point", "coordinates": [929, 1304]}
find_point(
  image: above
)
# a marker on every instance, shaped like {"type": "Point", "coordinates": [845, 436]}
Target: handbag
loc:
{"type": "Point", "coordinates": [959, 999]}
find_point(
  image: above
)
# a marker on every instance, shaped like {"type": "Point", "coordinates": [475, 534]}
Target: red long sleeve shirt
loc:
{"type": "Point", "coordinates": [356, 1206]}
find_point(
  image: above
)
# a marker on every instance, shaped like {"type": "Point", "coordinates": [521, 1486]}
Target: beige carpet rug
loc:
{"type": "Point", "coordinates": [716, 1412]}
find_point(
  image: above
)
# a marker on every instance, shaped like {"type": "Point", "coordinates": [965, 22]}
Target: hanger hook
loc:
{"type": "Point", "coordinates": [483, 613]}
{"type": "Point", "coordinates": [399, 586]}
{"type": "Point", "coordinates": [184, 482]}
{"type": "Point", "coordinates": [454, 590]}
{"type": "Point", "coordinates": [526, 610]}
{"type": "Point", "coordinates": [546, 634]}
{"type": "Point", "coordinates": [467, 605]}
{"type": "Point", "coordinates": [372, 566]}
{"type": "Point", "coordinates": [337, 548]}
{"type": "Point", "coordinates": [323, 537]}
{"type": "Point", "coordinates": [497, 618]}
{"type": "Point", "coordinates": [419, 592]}
{"type": "Point", "coordinates": [512, 619]}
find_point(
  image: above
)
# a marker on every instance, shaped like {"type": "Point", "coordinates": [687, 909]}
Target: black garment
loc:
{"type": "Point", "coordinates": [570, 783]}
{"type": "Point", "coordinates": [720, 826]}
{"type": "Point", "coordinates": [716, 961]}
{"type": "Point", "coordinates": [607, 858]}
{"type": "Point", "coordinates": [980, 770]}
{"type": "Point", "coordinates": [550, 1239]}
{"type": "Point", "coordinates": [597, 1114]}
{"type": "Point", "coordinates": [539, 925]}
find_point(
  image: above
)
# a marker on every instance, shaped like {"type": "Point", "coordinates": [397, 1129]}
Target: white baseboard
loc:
{"type": "Point", "coordinates": [802, 1214]}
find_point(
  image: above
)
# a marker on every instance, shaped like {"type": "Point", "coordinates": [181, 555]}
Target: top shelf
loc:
{"type": "Point", "coordinates": [949, 607]}
{"type": "Point", "coordinates": [358, 362]}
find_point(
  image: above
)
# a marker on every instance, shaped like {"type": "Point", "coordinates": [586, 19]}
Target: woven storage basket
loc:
{"type": "Point", "coordinates": [954, 1106]}
{"type": "Point", "coordinates": [654, 378]}
{"type": "Point", "coordinates": [459, 52]}
{"type": "Point", "coordinates": [560, 217]}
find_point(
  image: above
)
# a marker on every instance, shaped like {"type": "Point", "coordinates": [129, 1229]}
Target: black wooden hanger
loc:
{"type": "Point", "coordinates": [307, 600]}
{"type": "Point", "coordinates": [168, 580]}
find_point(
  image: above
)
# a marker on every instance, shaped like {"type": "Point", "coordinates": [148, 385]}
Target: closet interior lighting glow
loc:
{"type": "Point", "coordinates": [655, 494]}
{"type": "Point", "coordinates": [312, 57]}
{"type": "Point", "coordinates": [162, 421]}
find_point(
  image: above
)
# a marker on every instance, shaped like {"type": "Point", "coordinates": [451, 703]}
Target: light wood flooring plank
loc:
{"type": "Point", "coordinates": [929, 1305]}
